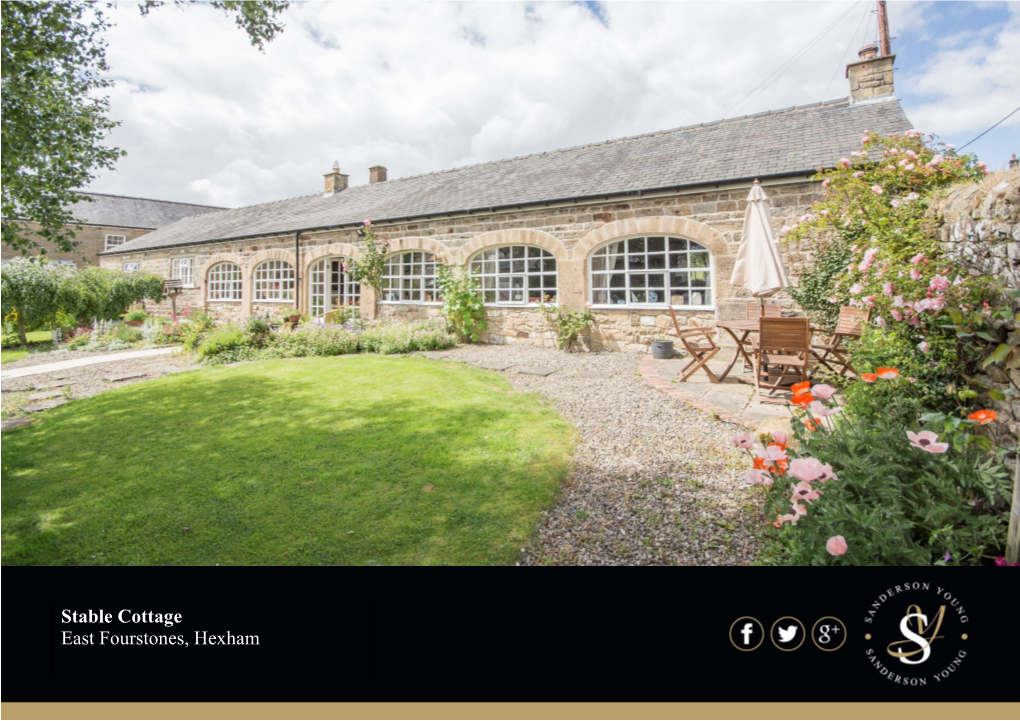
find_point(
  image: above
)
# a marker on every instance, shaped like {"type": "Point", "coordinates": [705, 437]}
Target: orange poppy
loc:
{"type": "Point", "coordinates": [780, 446]}
{"type": "Point", "coordinates": [983, 417]}
{"type": "Point", "coordinates": [887, 373]}
{"type": "Point", "coordinates": [810, 424]}
{"type": "Point", "coordinates": [869, 377]}
{"type": "Point", "coordinates": [801, 387]}
{"type": "Point", "coordinates": [802, 399]}
{"type": "Point", "coordinates": [777, 467]}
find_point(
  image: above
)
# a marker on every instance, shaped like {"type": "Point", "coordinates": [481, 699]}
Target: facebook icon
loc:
{"type": "Point", "coordinates": [746, 633]}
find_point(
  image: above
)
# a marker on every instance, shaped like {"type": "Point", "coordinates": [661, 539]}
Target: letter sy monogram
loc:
{"type": "Point", "coordinates": [923, 627]}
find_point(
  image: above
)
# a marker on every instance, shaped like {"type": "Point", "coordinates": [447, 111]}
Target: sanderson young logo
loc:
{"type": "Point", "coordinates": [917, 634]}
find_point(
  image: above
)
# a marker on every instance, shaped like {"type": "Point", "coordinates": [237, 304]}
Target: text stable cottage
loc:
{"type": "Point", "coordinates": [130, 616]}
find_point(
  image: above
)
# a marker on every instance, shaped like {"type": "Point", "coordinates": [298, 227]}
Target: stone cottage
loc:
{"type": "Point", "coordinates": [631, 226]}
{"type": "Point", "coordinates": [108, 221]}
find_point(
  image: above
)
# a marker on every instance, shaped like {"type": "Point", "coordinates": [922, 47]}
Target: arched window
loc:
{"type": "Point", "coordinates": [332, 287]}
{"type": "Point", "coordinates": [224, 282]}
{"type": "Point", "coordinates": [652, 271]}
{"type": "Point", "coordinates": [274, 281]}
{"type": "Point", "coordinates": [515, 275]}
{"type": "Point", "coordinates": [410, 277]}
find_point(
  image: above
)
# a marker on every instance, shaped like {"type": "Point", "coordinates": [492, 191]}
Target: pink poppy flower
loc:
{"type": "Point", "coordinates": [800, 509]}
{"type": "Point", "coordinates": [820, 411]}
{"type": "Point", "coordinates": [775, 453]}
{"type": "Point", "coordinates": [756, 476]}
{"type": "Point", "coordinates": [827, 474]}
{"type": "Point", "coordinates": [836, 546]}
{"type": "Point", "coordinates": [927, 441]}
{"type": "Point", "coordinates": [780, 437]}
{"type": "Point", "coordinates": [806, 469]}
{"type": "Point", "coordinates": [743, 440]}
{"type": "Point", "coordinates": [823, 391]}
{"type": "Point", "coordinates": [803, 491]}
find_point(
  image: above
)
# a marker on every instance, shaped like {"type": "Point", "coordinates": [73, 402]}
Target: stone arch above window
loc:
{"type": "Point", "coordinates": [420, 243]}
{"type": "Point", "coordinates": [316, 253]}
{"type": "Point", "coordinates": [655, 225]}
{"type": "Point", "coordinates": [517, 236]}
{"type": "Point", "coordinates": [515, 275]}
{"type": "Point", "coordinates": [651, 271]}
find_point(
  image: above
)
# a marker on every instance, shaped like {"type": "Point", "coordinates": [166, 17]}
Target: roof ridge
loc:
{"type": "Point", "coordinates": [611, 141]}
{"type": "Point", "coordinates": [151, 200]}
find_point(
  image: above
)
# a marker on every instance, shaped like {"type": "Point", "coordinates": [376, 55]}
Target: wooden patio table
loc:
{"type": "Point", "coordinates": [744, 328]}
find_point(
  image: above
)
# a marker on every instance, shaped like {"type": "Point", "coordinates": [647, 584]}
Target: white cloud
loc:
{"type": "Point", "coordinates": [419, 87]}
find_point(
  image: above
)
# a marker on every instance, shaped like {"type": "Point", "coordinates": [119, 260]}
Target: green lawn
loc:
{"type": "Point", "coordinates": [9, 355]}
{"type": "Point", "coordinates": [308, 461]}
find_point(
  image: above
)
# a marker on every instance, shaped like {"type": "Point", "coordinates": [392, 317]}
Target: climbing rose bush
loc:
{"type": "Point", "coordinates": [897, 487]}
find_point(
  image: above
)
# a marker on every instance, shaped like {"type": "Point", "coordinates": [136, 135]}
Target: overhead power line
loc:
{"type": "Point", "coordinates": [989, 129]}
{"type": "Point", "coordinates": [778, 72]}
{"type": "Point", "coordinates": [842, 61]}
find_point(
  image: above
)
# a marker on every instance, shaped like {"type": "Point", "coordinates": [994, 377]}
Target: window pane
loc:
{"type": "Point", "coordinates": [677, 260]}
{"type": "Point", "coordinates": [677, 244]}
{"type": "Point", "coordinates": [636, 262]}
{"type": "Point", "coordinates": [656, 245]}
{"type": "Point", "coordinates": [636, 245]}
{"type": "Point", "coordinates": [699, 260]}
{"type": "Point", "coordinates": [657, 261]}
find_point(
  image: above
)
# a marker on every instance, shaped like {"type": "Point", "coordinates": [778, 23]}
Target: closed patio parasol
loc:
{"type": "Point", "coordinates": [759, 268]}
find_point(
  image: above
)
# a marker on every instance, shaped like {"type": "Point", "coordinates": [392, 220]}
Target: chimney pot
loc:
{"type": "Point", "coordinates": [376, 174]}
{"type": "Point", "coordinates": [1014, 164]}
{"type": "Point", "coordinates": [336, 166]}
{"type": "Point", "coordinates": [868, 52]}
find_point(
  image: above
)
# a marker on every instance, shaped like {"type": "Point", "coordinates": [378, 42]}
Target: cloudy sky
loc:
{"type": "Point", "coordinates": [419, 87]}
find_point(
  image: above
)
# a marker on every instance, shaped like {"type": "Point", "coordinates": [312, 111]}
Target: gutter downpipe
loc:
{"type": "Point", "coordinates": [297, 271]}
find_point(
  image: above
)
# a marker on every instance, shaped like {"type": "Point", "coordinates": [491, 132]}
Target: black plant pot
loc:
{"type": "Point", "coordinates": [662, 349]}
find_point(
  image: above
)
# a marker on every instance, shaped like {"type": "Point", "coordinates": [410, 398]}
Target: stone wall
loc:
{"type": "Point", "coordinates": [91, 242]}
{"type": "Point", "coordinates": [982, 224]}
{"type": "Point", "coordinates": [570, 232]}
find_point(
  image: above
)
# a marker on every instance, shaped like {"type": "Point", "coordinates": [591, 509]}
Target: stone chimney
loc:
{"type": "Point", "coordinates": [376, 174]}
{"type": "Point", "coordinates": [1014, 164]}
{"type": "Point", "coordinates": [871, 78]}
{"type": "Point", "coordinates": [335, 180]}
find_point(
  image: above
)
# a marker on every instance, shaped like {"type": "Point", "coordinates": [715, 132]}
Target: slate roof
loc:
{"type": "Point", "coordinates": [122, 211]}
{"type": "Point", "coordinates": [775, 143]}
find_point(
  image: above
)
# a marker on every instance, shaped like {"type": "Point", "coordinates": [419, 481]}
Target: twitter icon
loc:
{"type": "Point", "coordinates": [787, 633]}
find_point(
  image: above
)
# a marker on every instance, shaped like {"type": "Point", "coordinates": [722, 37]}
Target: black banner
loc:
{"type": "Point", "coordinates": [413, 635]}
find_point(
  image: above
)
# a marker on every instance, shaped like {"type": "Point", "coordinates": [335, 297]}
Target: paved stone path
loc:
{"type": "Point", "coordinates": [730, 400]}
{"type": "Point", "coordinates": [79, 362]}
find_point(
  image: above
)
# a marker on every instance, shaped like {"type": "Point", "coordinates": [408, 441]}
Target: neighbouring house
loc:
{"type": "Point", "coordinates": [109, 221]}
{"type": "Point", "coordinates": [631, 226]}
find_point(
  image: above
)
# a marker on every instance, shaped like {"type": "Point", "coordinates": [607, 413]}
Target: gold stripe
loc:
{"type": "Point", "coordinates": [904, 710]}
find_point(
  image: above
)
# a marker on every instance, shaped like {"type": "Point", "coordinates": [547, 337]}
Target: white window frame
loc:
{"type": "Point", "coordinates": [227, 284]}
{"type": "Point", "coordinates": [318, 284]}
{"type": "Point", "coordinates": [273, 272]}
{"type": "Point", "coordinates": [107, 245]}
{"type": "Point", "coordinates": [499, 276]}
{"type": "Point", "coordinates": [628, 272]}
{"type": "Point", "coordinates": [132, 266]}
{"type": "Point", "coordinates": [407, 260]}
{"type": "Point", "coordinates": [183, 269]}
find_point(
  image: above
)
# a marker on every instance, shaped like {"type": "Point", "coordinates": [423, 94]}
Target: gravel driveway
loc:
{"type": "Point", "coordinates": [653, 482]}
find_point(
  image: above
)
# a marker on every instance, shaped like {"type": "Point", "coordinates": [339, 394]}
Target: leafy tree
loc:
{"type": "Point", "coordinates": [54, 116]}
{"type": "Point", "coordinates": [368, 268]}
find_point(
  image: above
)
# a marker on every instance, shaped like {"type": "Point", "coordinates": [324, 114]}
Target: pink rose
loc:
{"type": "Point", "coordinates": [836, 546]}
{"type": "Point", "coordinates": [877, 189]}
{"type": "Point", "coordinates": [915, 274]}
{"type": "Point", "coordinates": [939, 282]}
{"type": "Point", "coordinates": [917, 259]}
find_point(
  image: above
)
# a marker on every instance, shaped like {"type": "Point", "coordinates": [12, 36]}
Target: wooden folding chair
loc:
{"type": "Point", "coordinates": [701, 346]}
{"type": "Point", "coordinates": [850, 325]}
{"type": "Point", "coordinates": [781, 352]}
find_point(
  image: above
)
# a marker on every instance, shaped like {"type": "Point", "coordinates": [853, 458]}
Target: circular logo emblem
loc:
{"type": "Point", "coordinates": [916, 634]}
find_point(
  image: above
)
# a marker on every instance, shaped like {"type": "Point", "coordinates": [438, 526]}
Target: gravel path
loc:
{"type": "Point", "coordinates": [88, 380]}
{"type": "Point", "coordinates": [653, 481]}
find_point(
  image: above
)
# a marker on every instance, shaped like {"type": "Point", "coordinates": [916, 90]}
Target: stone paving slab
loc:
{"type": "Point", "coordinates": [58, 384]}
{"type": "Point", "coordinates": [595, 374]}
{"type": "Point", "coordinates": [11, 423]}
{"type": "Point", "coordinates": [495, 366]}
{"type": "Point", "coordinates": [124, 377]}
{"type": "Point", "coordinates": [44, 395]}
{"type": "Point", "coordinates": [537, 371]}
{"type": "Point", "coordinates": [44, 405]}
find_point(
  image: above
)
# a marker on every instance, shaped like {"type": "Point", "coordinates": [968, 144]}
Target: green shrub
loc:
{"type": "Point", "coordinates": [463, 305]}
{"type": "Point", "coordinates": [135, 316]}
{"type": "Point", "coordinates": [813, 291]}
{"type": "Point", "coordinates": [127, 334]}
{"type": "Point", "coordinates": [399, 337]}
{"type": "Point", "coordinates": [312, 340]}
{"type": "Point", "coordinates": [221, 340]}
{"type": "Point", "coordinates": [935, 497]}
